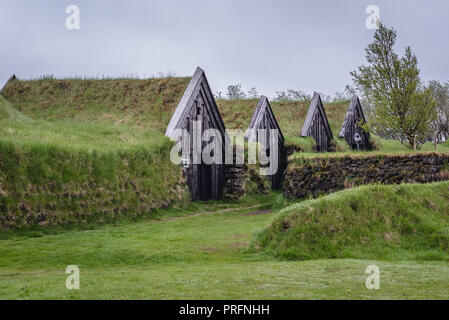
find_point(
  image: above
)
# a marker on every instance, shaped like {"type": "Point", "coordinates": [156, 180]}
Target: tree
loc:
{"type": "Point", "coordinates": [234, 92]}
{"type": "Point", "coordinates": [218, 95]}
{"type": "Point", "coordinates": [292, 95]}
{"type": "Point", "coordinates": [253, 94]}
{"type": "Point", "coordinates": [440, 126]}
{"type": "Point", "coordinates": [391, 84]}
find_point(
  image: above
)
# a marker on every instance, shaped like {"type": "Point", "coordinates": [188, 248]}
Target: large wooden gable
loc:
{"type": "Point", "coordinates": [197, 94]}
{"type": "Point", "coordinates": [351, 131]}
{"type": "Point", "coordinates": [316, 124]}
{"type": "Point", "coordinates": [198, 104]}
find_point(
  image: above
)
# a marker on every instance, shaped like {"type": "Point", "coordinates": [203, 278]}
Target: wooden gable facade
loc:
{"type": "Point", "coordinates": [316, 125]}
{"type": "Point", "coordinates": [264, 118]}
{"type": "Point", "coordinates": [205, 181]}
{"type": "Point", "coordinates": [11, 78]}
{"type": "Point", "coordinates": [355, 136]}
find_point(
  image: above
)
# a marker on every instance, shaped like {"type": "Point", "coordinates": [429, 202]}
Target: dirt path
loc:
{"type": "Point", "coordinates": [221, 211]}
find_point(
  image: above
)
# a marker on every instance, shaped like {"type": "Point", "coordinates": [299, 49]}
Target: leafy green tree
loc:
{"type": "Point", "coordinates": [401, 105]}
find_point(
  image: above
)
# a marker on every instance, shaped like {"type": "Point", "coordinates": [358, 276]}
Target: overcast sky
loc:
{"type": "Point", "coordinates": [270, 45]}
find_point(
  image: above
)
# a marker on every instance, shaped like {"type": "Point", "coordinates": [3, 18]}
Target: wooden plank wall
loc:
{"type": "Point", "coordinates": [351, 127]}
{"type": "Point", "coordinates": [318, 132]}
{"type": "Point", "coordinates": [269, 123]}
{"type": "Point", "coordinates": [205, 181]}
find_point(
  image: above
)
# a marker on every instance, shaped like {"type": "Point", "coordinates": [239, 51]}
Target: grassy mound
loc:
{"type": "Point", "coordinates": [146, 104]}
{"type": "Point", "coordinates": [46, 185]}
{"type": "Point", "coordinates": [86, 151]}
{"type": "Point", "coordinates": [64, 172]}
{"type": "Point", "coordinates": [15, 127]}
{"type": "Point", "coordinates": [371, 222]}
{"type": "Point", "coordinates": [290, 115]}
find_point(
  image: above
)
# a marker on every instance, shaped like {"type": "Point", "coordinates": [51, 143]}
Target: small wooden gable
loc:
{"type": "Point", "coordinates": [351, 131]}
{"type": "Point", "coordinates": [316, 124]}
{"type": "Point", "coordinates": [263, 118]}
{"type": "Point", "coordinates": [205, 181]}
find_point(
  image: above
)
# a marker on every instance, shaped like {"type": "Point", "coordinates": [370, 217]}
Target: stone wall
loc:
{"type": "Point", "coordinates": [307, 177]}
{"type": "Point", "coordinates": [290, 149]}
{"type": "Point", "coordinates": [240, 179]}
{"type": "Point", "coordinates": [234, 176]}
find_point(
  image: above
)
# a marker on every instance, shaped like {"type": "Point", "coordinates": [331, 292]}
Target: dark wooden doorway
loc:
{"type": "Point", "coordinates": [205, 182]}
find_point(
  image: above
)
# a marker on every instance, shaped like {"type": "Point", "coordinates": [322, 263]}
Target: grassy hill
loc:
{"type": "Point", "coordinates": [63, 135]}
{"type": "Point", "coordinates": [55, 173]}
{"type": "Point", "coordinates": [289, 114]}
{"type": "Point", "coordinates": [409, 221]}
{"type": "Point", "coordinates": [131, 108]}
{"type": "Point", "coordinates": [84, 152]}
{"type": "Point", "coordinates": [145, 104]}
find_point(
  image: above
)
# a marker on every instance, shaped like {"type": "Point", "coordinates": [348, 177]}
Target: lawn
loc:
{"type": "Point", "coordinates": [201, 256]}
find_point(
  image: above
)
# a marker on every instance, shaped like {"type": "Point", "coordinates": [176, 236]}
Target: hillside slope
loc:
{"type": "Point", "coordinates": [370, 222]}
{"type": "Point", "coordinates": [65, 172]}
{"type": "Point", "coordinates": [147, 104]}
{"type": "Point", "coordinates": [289, 114]}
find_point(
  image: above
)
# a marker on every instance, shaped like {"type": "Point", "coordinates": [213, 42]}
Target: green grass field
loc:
{"type": "Point", "coordinates": [202, 256]}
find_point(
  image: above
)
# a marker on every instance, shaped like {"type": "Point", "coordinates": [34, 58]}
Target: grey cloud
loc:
{"type": "Point", "coordinates": [271, 45]}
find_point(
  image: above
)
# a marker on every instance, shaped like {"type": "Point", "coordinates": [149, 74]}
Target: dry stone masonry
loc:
{"type": "Point", "coordinates": [307, 177]}
{"type": "Point", "coordinates": [234, 181]}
